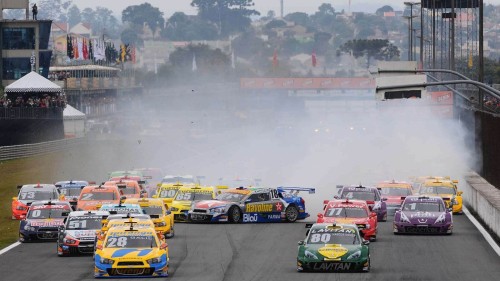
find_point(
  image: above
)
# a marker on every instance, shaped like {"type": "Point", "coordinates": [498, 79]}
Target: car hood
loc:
{"type": "Point", "coordinates": [208, 204]}
{"type": "Point", "coordinates": [139, 254]}
{"type": "Point", "coordinates": [182, 204]}
{"type": "Point", "coordinates": [46, 222]}
{"type": "Point", "coordinates": [332, 251]}
{"type": "Point", "coordinates": [423, 217]}
{"type": "Point", "coordinates": [346, 220]}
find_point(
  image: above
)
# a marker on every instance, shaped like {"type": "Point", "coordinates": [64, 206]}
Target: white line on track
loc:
{"type": "Point", "coordinates": [10, 247]}
{"type": "Point", "coordinates": [483, 231]}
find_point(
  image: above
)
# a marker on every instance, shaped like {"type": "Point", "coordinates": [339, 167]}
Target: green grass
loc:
{"type": "Point", "coordinates": [14, 173]}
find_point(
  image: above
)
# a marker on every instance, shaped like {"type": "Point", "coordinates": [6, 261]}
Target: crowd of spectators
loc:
{"type": "Point", "coordinates": [43, 101]}
{"type": "Point", "coordinates": [60, 75]}
{"type": "Point", "coordinates": [492, 102]}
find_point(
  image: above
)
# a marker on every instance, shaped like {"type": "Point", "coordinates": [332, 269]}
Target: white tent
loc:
{"type": "Point", "coordinates": [33, 83]}
{"type": "Point", "coordinates": [74, 122]}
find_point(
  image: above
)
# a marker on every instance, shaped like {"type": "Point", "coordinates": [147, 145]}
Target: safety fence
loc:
{"type": "Point", "coordinates": [27, 150]}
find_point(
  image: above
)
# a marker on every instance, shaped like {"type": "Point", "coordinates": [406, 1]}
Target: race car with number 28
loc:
{"type": "Point", "coordinates": [252, 205]}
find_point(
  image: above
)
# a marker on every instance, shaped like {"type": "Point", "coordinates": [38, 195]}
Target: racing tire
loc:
{"type": "Point", "coordinates": [384, 218]}
{"type": "Point", "coordinates": [369, 266]}
{"type": "Point", "coordinates": [234, 214]}
{"type": "Point", "coordinates": [372, 238]}
{"type": "Point", "coordinates": [291, 213]}
{"type": "Point", "coordinates": [171, 234]}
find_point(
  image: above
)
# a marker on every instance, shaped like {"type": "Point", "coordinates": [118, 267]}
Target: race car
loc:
{"type": "Point", "coordinates": [417, 182]}
{"type": "Point", "coordinates": [167, 192]}
{"type": "Point", "coordinates": [30, 193]}
{"type": "Point", "coordinates": [351, 212]}
{"type": "Point", "coordinates": [186, 195]}
{"type": "Point", "coordinates": [128, 188]}
{"type": "Point", "coordinates": [123, 221]}
{"type": "Point", "coordinates": [252, 205]}
{"type": "Point", "coordinates": [121, 174]}
{"type": "Point", "coordinates": [93, 197]}
{"type": "Point", "coordinates": [423, 215]}
{"type": "Point", "coordinates": [369, 194]}
{"type": "Point", "coordinates": [331, 247]}
{"type": "Point", "coordinates": [71, 190]}
{"type": "Point", "coordinates": [394, 191]}
{"type": "Point", "coordinates": [178, 179]}
{"type": "Point", "coordinates": [446, 189]}
{"type": "Point", "coordinates": [153, 176]}
{"type": "Point", "coordinates": [77, 235]}
{"type": "Point", "coordinates": [121, 208]}
{"type": "Point", "coordinates": [163, 219]}
{"type": "Point", "coordinates": [130, 251]}
{"type": "Point", "coordinates": [43, 221]}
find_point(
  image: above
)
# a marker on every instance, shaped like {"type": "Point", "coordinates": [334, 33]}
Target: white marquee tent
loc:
{"type": "Point", "coordinates": [74, 122]}
{"type": "Point", "coordinates": [33, 83]}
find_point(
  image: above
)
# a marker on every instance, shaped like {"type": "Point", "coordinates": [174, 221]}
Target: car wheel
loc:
{"type": "Point", "coordinates": [291, 213]}
{"type": "Point", "coordinates": [384, 218]}
{"type": "Point", "coordinates": [369, 265]}
{"type": "Point", "coordinates": [373, 238]}
{"type": "Point", "coordinates": [170, 234]}
{"type": "Point", "coordinates": [234, 214]}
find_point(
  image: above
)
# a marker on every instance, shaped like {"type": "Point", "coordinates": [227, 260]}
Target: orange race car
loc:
{"type": "Point", "coordinates": [92, 197]}
{"type": "Point", "coordinates": [128, 188]}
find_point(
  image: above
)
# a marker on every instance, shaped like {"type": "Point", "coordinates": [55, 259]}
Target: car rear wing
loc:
{"type": "Point", "coordinates": [296, 190]}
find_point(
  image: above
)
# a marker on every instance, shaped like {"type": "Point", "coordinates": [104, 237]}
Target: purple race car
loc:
{"type": "Point", "coordinates": [369, 194]}
{"type": "Point", "coordinates": [424, 215]}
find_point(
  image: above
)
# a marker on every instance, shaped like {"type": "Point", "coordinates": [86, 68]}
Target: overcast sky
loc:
{"type": "Point", "coordinates": [168, 7]}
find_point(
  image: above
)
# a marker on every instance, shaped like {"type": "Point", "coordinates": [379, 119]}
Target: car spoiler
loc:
{"type": "Point", "coordinates": [298, 189]}
{"type": "Point", "coordinates": [19, 186]}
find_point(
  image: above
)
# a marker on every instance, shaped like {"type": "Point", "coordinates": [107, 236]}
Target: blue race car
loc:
{"type": "Point", "coordinates": [71, 190]}
{"type": "Point", "coordinates": [245, 205]}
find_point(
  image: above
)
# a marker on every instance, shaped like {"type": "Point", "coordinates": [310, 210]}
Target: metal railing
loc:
{"type": "Point", "coordinates": [27, 150]}
{"type": "Point", "coordinates": [31, 113]}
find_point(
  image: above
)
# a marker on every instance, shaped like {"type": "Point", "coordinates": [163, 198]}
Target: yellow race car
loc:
{"type": "Point", "coordinates": [186, 196]}
{"type": "Point", "coordinates": [162, 217]}
{"type": "Point", "coordinates": [446, 189]}
{"type": "Point", "coordinates": [167, 191]}
{"type": "Point", "coordinates": [139, 221]}
{"type": "Point", "coordinates": [130, 251]}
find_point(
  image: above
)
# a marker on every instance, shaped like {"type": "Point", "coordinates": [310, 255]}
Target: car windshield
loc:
{"type": "Point", "coordinates": [178, 180]}
{"type": "Point", "coordinates": [395, 191]}
{"type": "Point", "coordinates": [438, 190]}
{"type": "Point", "coordinates": [230, 196]}
{"type": "Point", "coordinates": [122, 209]}
{"type": "Point", "coordinates": [70, 191]}
{"type": "Point", "coordinates": [192, 196]}
{"type": "Point", "coordinates": [167, 193]}
{"type": "Point", "coordinates": [359, 195]}
{"type": "Point", "coordinates": [423, 207]}
{"type": "Point", "coordinates": [37, 195]}
{"type": "Point", "coordinates": [153, 210]}
{"type": "Point", "coordinates": [127, 189]}
{"type": "Point", "coordinates": [340, 236]}
{"type": "Point", "coordinates": [84, 222]}
{"type": "Point", "coordinates": [131, 241]}
{"type": "Point", "coordinates": [342, 212]}
{"type": "Point", "coordinates": [98, 196]}
{"type": "Point", "coordinates": [47, 213]}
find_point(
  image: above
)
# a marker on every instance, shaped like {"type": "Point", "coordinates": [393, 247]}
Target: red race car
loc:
{"type": "Point", "coordinates": [351, 212]}
{"type": "Point", "coordinates": [30, 193]}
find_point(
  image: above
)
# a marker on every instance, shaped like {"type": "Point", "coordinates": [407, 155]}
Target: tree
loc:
{"type": "Point", "coordinates": [299, 18]}
{"type": "Point", "coordinates": [230, 16]}
{"type": "Point", "coordinates": [88, 15]}
{"type": "Point", "coordinates": [275, 24]}
{"type": "Point", "coordinates": [379, 49]}
{"type": "Point", "coordinates": [181, 27]}
{"type": "Point", "coordinates": [53, 9]}
{"type": "Point", "coordinates": [137, 15]}
{"type": "Point", "coordinates": [130, 36]}
{"type": "Point", "coordinates": [74, 16]}
{"type": "Point", "coordinates": [321, 40]}
{"type": "Point", "coordinates": [380, 11]}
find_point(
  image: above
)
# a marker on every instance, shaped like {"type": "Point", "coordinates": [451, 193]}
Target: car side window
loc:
{"type": "Point", "coordinates": [259, 197]}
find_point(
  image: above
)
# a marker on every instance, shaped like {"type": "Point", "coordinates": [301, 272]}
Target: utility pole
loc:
{"type": "Point", "coordinates": [282, 9]}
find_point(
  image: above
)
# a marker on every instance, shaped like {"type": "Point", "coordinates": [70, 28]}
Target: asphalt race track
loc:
{"type": "Point", "coordinates": [248, 252]}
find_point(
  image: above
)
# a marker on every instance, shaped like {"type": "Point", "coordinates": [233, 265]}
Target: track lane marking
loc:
{"type": "Point", "coordinates": [483, 231]}
{"type": "Point", "coordinates": [10, 247]}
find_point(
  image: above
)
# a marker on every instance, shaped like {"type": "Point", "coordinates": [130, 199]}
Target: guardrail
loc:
{"type": "Point", "coordinates": [31, 113]}
{"type": "Point", "coordinates": [27, 150]}
{"type": "Point", "coordinates": [484, 199]}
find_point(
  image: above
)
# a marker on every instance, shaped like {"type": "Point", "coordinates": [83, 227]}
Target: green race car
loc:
{"type": "Point", "coordinates": [333, 248]}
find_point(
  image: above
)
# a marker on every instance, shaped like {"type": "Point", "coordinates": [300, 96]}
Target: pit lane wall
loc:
{"type": "Point", "coordinates": [483, 199]}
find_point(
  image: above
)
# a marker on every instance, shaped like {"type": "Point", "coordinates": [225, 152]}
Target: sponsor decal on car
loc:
{"type": "Point", "coordinates": [332, 251]}
{"type": "Point", "coordinates": [330, 266]}
{"type": "Point", "coordinates": [259, 208]}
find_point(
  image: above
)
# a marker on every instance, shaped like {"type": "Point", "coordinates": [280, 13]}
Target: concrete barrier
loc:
{"type": "Point", "coordinates": [483, 199]}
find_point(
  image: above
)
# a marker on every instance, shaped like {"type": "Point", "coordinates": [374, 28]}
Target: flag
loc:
{"type": "Point", "coordinates": [132, 54]}
{"type": "Point", "coordinates": [99, 50]}
{"type": "Point", "coordinates": [69, 46]}
{"type": "Point", "coordinates": [85, 50]}
{"type": "Point", "coordinates": [470, 64]}
{"type": "Point", "coordinates": [91, 49]}
{"type": "Point", "coordinates": [123, 52]}
{"type": "Point", "coordinates": [75, 48]}
{"type": "Point", "coordinates": [194, 67]}
{"type": "Point", "coordinates": [233, 63]}
{"type": "Point", "coordinates": [80, 48]}
{"type": "Point", "coordinates": [313, 59]}
{"type": "Point", "coordinates": [275, 58]}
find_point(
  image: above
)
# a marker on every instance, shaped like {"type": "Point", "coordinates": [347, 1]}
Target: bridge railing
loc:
{"type": "Point", "coordinates": [27, 150]}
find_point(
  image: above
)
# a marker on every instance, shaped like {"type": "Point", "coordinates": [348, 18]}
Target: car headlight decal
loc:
{"type": "Point", "coordinates": [154, 260]}
{"type": "Point", "coordinates": [404, 218]}
{"type": "Point", "coordinates": [107, 261]}
{"type": "Point", "coordinates": [219, 210]}
{"type": "Point", "coordinates": [355, 255]}
{"type": "Point", "coordinates": [310, 255]}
